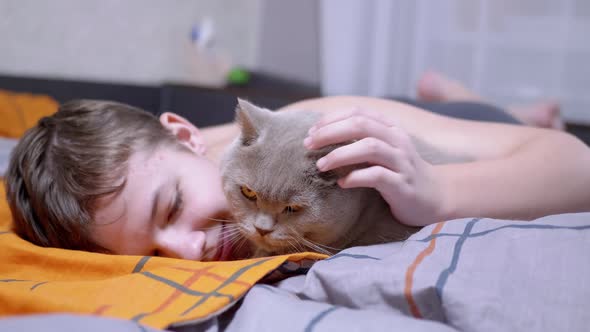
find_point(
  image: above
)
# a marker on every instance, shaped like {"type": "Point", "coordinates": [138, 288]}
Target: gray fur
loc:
{"type": "Point", "coordinates": [270, 159]}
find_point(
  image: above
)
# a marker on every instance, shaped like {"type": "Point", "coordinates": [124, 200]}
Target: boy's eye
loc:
{"type": "Point", "coordinates": [292, 208]}
{"type": "Point", "coordinates": [248, 193]}
{"type": "Point", "coordinates": [177, 205]}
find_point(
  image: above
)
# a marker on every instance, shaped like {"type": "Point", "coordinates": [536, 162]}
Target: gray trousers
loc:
{"type": "Point", "coordinates": [465, 110]}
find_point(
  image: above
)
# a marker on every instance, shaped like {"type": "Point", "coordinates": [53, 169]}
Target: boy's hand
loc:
{"type": "Point", "coordinates": [406, 181]}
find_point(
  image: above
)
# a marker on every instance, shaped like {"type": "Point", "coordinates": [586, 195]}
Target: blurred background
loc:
{"type": "Point", "coordinates": [194, 56]}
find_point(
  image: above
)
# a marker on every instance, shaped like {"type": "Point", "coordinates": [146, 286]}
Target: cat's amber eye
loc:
{"type": "Point", "coordinates": [292, 208]}
{"type": "Point", "coordinates": [248, 193]}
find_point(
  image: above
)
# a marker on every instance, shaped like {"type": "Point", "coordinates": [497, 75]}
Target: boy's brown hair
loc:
{"type": "Point", "coordinates": [63, 165]}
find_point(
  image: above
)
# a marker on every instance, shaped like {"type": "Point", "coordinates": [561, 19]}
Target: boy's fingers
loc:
{"type": "Point", "coordinates": [377, 177]}
{"type": "Point", "coordinates": [345, 114]}
{"type": "Point", "coordinates": [349, 129]}
{"type": "Point", "coordinates": [368, 150]}
{"type": "Point", "coordinates": [333, 117]}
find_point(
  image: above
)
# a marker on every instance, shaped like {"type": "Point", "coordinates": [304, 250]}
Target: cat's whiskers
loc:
{"type": "Point", "coordinates": [241, 240]}
{"type": "Point", "coordinates": [295, 236]}
{"type": "Point", "coordinates": [230, 238]}
{"type": "Point", "coordinates": [210, 228]}
{"type": "Point", "coordinates": [227, 222]}
{"type": "Point", "coordinates": [208, 251]}
{"type": "Point", "coordinates": [302, 246]}
{"type": "Point", "coordinates": [318, 247]}
{"type": "Point", "coordinates": [306, 243]}
{"type": "Point", "coordinates": [238, 239]}
{"type": "Point", "coordinates": [325, 246]}
{"type": "Point", "coordinates": [315, 247]}
{"type": "Point", "coordinates": [222, 220]}
{"type": "Point", "coordinates": [232, 227]}
{"type": "Point", "coordinates": [240, 244]}
{"type": "Point", "coordinates": [291, 244]}
{"type": "Point", "coordinates": [231, 235]}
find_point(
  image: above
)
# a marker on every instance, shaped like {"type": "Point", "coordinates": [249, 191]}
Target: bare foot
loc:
{"type": "Point", "coordinates": [543, 114]}
{"type": "Point", "coordinates": [435, 87]}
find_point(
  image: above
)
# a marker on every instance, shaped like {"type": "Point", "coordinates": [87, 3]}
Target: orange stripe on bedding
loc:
{"type": "Point", "coordinates": [198, 273]}
{"type": "Point", "coordinates": [235, 282]}
{"type": "Point", "coordinates": [100, 310]}
{"type": "Point", "coordinates": [217, 277]}
{"type": "Point", "coordinates": [412, 268]}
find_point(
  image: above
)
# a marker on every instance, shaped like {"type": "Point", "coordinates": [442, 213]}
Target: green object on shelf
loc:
{"type": "Point", "coordinates": [238, 76]}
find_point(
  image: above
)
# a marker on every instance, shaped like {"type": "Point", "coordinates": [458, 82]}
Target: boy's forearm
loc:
{"type": "Point", "coordinates": [548, 175]}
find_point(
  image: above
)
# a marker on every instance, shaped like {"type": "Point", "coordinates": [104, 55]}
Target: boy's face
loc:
{"type": "Point", "coordinates": [171, 205]}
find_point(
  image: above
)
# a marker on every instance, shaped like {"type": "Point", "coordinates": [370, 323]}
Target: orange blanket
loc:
{"type": "Point", "coordinates": [153, 291]}
{"type": "Point", "coordinates": [150, 290]}
{"type": "Point", "coordinates": [21, 111]}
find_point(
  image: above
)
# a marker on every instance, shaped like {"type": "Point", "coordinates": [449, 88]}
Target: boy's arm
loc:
{"type": "Point", "coordinates": [519, 172]}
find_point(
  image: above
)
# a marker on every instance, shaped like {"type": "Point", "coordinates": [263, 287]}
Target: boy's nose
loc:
{"type": "Point", "coordinates": [185, 245]}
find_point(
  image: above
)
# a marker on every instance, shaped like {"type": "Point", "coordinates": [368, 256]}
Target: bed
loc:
{"type": "Point", "coordinates": [463, 275]}
{"type": "Point", "coordinates": [458, 275]}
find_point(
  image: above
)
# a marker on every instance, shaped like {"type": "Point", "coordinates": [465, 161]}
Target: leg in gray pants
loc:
{"type": "Point", "coordinates": [465, 110]}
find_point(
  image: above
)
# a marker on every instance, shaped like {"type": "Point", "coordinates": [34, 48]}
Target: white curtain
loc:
{"type": "Point", "coordinates": [363, 46]}
{"type": "Point", "coordinates": [508, 51]}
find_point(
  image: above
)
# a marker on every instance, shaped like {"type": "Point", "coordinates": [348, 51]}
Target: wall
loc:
{"type": "Point", "coordinates": [136, 41]}
{"type": "Point", "coordinates": [288, 39]}
{"type": "Point", "coordinates": [509, 52]}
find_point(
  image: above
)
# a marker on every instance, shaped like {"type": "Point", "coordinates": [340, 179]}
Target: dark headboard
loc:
{"type": "Point", "coordinates": [202, 106]}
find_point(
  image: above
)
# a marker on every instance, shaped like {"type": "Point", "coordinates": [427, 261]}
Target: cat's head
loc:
{"type": "Point", "coordinates": [281, 202]}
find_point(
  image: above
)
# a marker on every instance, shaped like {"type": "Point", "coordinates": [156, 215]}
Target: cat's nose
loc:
{"type": "Point", "coordinates": [262, 231]}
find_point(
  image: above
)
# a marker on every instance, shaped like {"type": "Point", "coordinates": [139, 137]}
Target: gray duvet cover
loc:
{"type": "Point", "coordinates": [460, 275]}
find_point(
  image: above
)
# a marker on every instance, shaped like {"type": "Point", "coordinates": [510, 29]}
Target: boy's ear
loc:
{"type": "Point", "coordinates": [186, 133]}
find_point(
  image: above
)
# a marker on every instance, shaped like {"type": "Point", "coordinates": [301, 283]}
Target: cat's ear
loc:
{"type": "Point", "coordinates": [251, 119]}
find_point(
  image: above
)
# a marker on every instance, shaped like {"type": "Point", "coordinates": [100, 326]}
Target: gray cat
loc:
{"type": "Point", "coordinates": [283, 204]}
